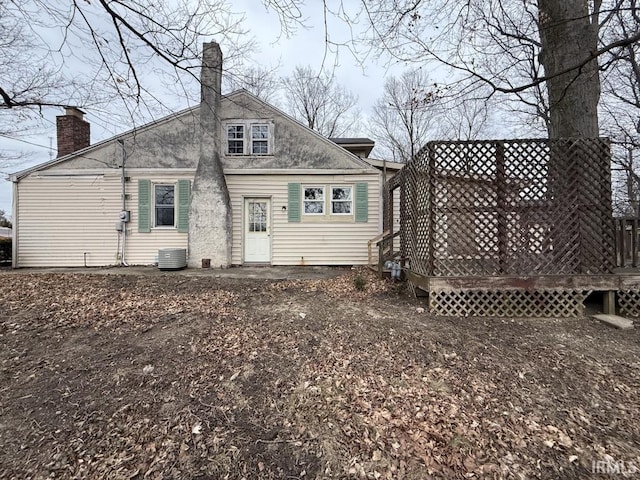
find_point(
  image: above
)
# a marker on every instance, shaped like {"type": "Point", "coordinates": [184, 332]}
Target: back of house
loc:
{"type": "Point", "coordinates": [296, 198]}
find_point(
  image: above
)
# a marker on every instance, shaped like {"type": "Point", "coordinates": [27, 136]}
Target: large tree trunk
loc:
{"type": "Point", "coordinates": [578, 181]}
{"type": "Point", "coordinates": [569, 36]}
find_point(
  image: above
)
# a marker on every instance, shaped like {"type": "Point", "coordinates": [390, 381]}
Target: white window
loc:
{"type": "Point", "coordinates": [235, 139]}
{"type": "Point", "coordinates": [249, 137]}
{"type": "Point", "coordinates": [164, 205]}
{"type": "Point", "coordinates": [313, 200]}
{"type": "Point", "coordinates": [341, 200]}
{"type": "Point", "coordinates": [260, 139]}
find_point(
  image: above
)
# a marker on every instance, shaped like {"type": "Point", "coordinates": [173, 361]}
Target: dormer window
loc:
{"type": "Point", "coordinates": [260, 139]}
{"type": "Point", "coordinates": [249, 138]}
{"type": "Point", "coordinates": [235, 139]}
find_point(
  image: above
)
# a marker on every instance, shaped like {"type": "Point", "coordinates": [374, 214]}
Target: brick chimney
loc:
{"type": "Point", "coordinates": [210, 210]}
{"type": "Point", "coordinates": [73, 131]}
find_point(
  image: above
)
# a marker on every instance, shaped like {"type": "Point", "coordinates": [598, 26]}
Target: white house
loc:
{"type": "Point", "coordinates": [233, 181]}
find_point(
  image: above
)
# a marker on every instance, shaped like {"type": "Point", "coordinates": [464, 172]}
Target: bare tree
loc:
{"type": "Point", "coordinates": [625, 180]}
{"type": "Point", "coordinates": [107, 55]}
{"type": "Point", "coordinates": [405, 115]}
{"type": "Point", "coordinates": [512, 46]}
{"type": "Point", "coordinates": [262, 81]}
{"type": "Point", "coordinates": [323, 105]}
{"type": "Point", "coordinates": [465, 120]}
{"type": "Point", "coordinates": [620, 109]}
{"type": "Point", "coordinates": [4, 221]}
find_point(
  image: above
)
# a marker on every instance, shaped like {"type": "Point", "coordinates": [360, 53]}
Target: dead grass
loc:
{"type": "Point", "coordinates": [170, 377]}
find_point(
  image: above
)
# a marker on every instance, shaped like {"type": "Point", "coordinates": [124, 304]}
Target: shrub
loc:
{"type": "Point", "coordinates": [359, 282]}
{"type": "Point", "coordinates": [5, 249]}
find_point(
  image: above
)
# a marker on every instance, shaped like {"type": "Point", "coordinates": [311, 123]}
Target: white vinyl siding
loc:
{"type": "Point", "coordinates": [63, 220]}
{"type": "Point", "coordinates": [62, 217]}
{"type": "Point", "coordinates": [340, 241]}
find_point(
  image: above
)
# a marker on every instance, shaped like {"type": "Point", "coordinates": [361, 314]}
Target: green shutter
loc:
{"type": "Point", "coordinates": [144, 205]}
{"type": "Point", "coordinates": [362, 202]}
{"type": "Point", "coordinates": [294, 202]}
{"type": "Point", "coordinates": [184, 194]}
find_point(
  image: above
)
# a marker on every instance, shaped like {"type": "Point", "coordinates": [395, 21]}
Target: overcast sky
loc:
{"type": "Point", "coordinates": [307, 47]}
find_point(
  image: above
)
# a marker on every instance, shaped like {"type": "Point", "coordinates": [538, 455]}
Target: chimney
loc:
{"type": "Point", "coordinates": [210, 221]}
{"type": "Point", "coordinates": [73, 131]}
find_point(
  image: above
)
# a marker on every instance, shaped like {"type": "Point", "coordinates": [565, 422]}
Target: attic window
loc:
{"type": "Point", "coordinates": [235, 139]}
{"type": "Point", "coordinates": [260, 139]}
{"type": "Point", "coordinates": [249, 137]}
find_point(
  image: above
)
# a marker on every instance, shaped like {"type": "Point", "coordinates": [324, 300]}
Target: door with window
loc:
{"type": "Point", "coordinates": [257, 230]}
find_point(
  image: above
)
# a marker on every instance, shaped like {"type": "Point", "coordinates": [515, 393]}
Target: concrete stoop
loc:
{"type": "Point", "coordinates": [615, 321]}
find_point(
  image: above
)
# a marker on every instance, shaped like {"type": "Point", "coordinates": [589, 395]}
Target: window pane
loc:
{"type": "Point", "coordinates": [164, 194]}
{"type": "Point", "coordinates": [341, 193]}
{"type": "Point", "coordinates": [259, 131]}
{"type": "Point", "coordinates": [164, 216]}
{"type": "Point", "coordinates": [235, 131]}
{"type": "Point", "coordinates": [257, 217]}
{"type": "Point", "coordinates": [164, 200]}
{"type": "Point", "coordinates": [314, 193]}
{"type": "Point", "coordinates": [260, 147]}
{"type": "Point", "coordinates": [341, 207]}
{"type": "Point", "coordinates": [236, 146]}
{"type": "Point", "coordinates": [313, 207]}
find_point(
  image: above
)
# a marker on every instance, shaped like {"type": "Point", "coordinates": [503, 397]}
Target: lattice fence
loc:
{"type": "Point", "coordinates": [507, 208]}
{"type": "Point", "coordinates": [508, 303]}
{"type": "Point", "coordinates": [521, 207]}
{"type": "Point", "coordinates": [629, 301]}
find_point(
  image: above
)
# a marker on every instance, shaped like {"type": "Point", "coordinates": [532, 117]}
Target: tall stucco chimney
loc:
{"type": "Point", "coordinates": [73, 131]}
{"type": "Point", "coordinates": [210, 221]}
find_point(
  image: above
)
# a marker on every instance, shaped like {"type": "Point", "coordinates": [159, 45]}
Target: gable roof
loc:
{"type": "Point", "coordinates": [83, 152]}
{"type": "Point", "coordinates": [192, 112]}
{"type": "Point", "coordinates": [330, 143]}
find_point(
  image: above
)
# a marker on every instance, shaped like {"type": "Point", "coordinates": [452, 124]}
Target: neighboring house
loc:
{"type": "Point", "coordinates": [5, 232]}
{"type": "Point", "coordinates": [288, 196]}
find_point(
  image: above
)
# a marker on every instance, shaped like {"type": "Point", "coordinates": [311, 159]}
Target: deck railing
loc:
{"type": "Point", "coordinates": [627, 242]}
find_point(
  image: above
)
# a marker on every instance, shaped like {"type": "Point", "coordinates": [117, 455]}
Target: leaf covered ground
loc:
{"type": "Point", "coordinates": [167, 376]}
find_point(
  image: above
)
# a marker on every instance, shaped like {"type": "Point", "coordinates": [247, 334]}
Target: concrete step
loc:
{"type": "Point", "coordinates": [615, 321]}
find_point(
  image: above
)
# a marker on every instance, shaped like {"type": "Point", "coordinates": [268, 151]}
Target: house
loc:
{"type": "Point", "coordinates": [359, 146]}
{"type": "Point", "coordinates": [234, 181]}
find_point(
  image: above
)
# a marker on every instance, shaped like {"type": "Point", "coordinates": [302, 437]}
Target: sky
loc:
{"type": "Point", "coordinates": [306, 47]}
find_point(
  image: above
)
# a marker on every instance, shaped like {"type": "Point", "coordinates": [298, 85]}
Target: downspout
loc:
{"type": "Point", "coordinates": [123, 261]}
{"type": "Point", "coordinates": [385, 207]}
{"type": "Point", "coordinates": [14, 226]}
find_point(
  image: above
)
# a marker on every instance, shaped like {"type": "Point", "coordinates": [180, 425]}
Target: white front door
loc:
{"type": "Point", "coordinates": [257, 230]}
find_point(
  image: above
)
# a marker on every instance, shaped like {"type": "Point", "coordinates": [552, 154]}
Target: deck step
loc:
{"type": "Point", "coordinates": [615, 321]}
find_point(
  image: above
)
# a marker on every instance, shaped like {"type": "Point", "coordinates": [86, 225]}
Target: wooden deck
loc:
{"type": "Point", "coordinates": [528, 296]}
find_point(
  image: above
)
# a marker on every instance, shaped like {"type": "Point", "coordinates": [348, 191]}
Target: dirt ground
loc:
{"type": "Point", "coordinates": [180, 377]}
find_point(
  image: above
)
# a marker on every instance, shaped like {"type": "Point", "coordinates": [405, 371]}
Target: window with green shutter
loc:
{"type": "Point", "coordinates": [184, 196]}
{"type": "Point", "coordinates": [293, 208]}
{"type": "Point", "coordinates": [144, 206]}
{"type": "Point", "coordinates": [362, 202]}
